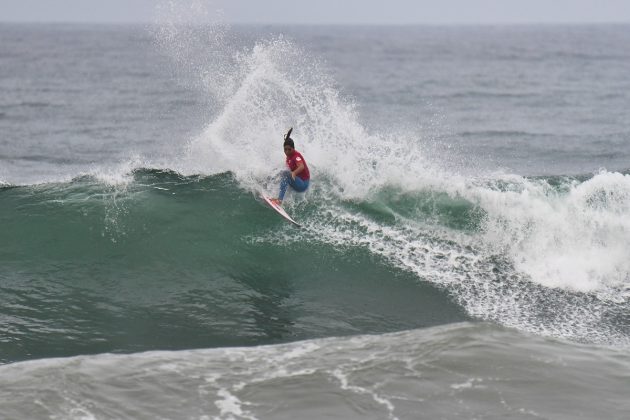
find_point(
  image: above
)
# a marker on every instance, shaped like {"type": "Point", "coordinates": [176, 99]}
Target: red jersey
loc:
{"type": "Point", "coordinates": [293, 160]}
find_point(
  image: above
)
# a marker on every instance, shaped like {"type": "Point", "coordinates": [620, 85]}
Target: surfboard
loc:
{"type": "Point", "coordinates": [279, 210]}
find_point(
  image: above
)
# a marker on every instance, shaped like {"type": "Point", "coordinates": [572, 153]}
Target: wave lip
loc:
{"type": "Point", "coordinates": [574, 239]}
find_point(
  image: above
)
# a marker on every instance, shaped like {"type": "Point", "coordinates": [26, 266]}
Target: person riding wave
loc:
{"type": "Point", "coordinates": [298, 176]}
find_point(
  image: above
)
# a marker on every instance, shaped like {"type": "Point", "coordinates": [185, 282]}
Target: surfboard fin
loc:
{"type": "Point", "coordinates": [286, 136]}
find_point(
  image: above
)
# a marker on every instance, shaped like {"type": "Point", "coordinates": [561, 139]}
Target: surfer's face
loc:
{"type": "Point", "coordinates": [288, 150]}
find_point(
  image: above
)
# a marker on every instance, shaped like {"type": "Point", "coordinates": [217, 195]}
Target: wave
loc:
{"type": "Point", "coordinates": [542, 255]}
{"type": "Point", "coordinates": [502, 245]}
{"type": "Point", "coordinates": [459, 371]}
{"type": "Point", "coordinates": [545, 255]}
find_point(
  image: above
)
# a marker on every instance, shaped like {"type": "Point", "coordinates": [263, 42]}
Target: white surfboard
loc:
{"type": "Point", "coordinates": [280, 210]}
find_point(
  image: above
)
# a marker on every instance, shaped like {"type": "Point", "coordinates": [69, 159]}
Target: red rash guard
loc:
{"type": "Point", "coordinates": [293, 160]}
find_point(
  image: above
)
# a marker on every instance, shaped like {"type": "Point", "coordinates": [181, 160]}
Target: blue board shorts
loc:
{"type": "Point", "coordinates": [298, 184]}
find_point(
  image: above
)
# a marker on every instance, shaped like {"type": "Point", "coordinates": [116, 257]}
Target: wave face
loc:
{"type": "Point", "coordinates": [182, 254]}
{"type": "Point", "coordinates": [167, 261]}
{"type": "Point", "coordinates": [460, 371]}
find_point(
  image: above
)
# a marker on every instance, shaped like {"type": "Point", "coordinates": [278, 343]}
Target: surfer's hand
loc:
{"type": "Point", "coordinates": [292, 176]}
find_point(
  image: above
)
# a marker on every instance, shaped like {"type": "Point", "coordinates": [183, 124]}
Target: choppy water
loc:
{"type": "Point", "coordinates": [461, 174]}
{"type": "Point", "coordinates": [460, 371]}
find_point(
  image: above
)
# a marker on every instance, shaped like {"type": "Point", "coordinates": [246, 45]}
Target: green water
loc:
{"type": "Point", "coordinates": [172, 262]}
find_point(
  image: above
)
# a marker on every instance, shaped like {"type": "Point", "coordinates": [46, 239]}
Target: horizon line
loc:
{"type": "Point", "coordinates": [245, 23]}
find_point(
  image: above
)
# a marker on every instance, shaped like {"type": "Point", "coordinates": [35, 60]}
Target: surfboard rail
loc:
{"type": "Point", "coordinates": [279, 210]}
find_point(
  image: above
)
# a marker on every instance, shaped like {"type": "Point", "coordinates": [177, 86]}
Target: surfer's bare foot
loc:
{"type": "Point", "coordinates": [276, 201]}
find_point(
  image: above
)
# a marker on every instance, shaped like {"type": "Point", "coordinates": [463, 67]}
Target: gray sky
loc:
{"type": "Point", "coordinates": [331, 11]}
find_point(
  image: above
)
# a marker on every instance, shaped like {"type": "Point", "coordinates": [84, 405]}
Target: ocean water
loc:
{"type": "Point", "coordinates": [465, 241]}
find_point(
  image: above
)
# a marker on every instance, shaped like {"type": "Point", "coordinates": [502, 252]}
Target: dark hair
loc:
{"type": "Point", "coordinates": [289, 142]}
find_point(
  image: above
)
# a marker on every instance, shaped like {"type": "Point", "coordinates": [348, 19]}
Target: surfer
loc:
{"type": "Point", "coordinates": [297, 176]}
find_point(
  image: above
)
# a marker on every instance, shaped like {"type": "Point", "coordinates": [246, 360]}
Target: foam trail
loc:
{"type": "Point", "coordinates": [489, 283]}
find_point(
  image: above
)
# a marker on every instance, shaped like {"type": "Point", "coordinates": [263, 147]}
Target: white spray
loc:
{"type": "Point", "coordinates": [574, 239]}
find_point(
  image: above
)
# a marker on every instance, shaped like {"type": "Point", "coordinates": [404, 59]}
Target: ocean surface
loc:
{"type": "Point", "coordinates": [465, 249]}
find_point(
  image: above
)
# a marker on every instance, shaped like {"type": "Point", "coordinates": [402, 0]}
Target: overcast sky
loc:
{"type": "Point", "coordinates": [331, 11]}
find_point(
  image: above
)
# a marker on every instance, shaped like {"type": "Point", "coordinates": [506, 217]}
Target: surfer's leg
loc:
{"type": "Point", "coordinates": [298, 184]}
{"type": "Point", "coordinates": [284, 184]}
